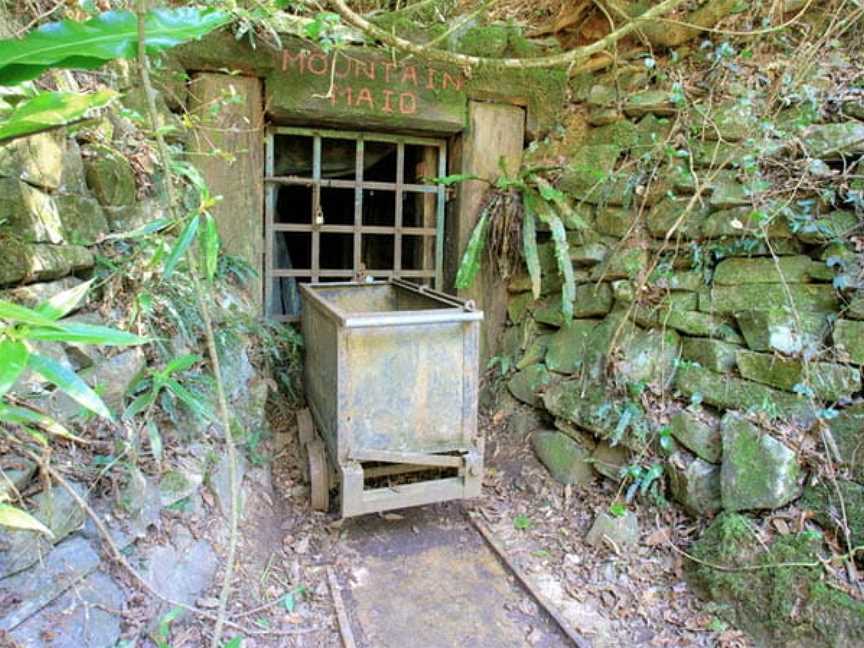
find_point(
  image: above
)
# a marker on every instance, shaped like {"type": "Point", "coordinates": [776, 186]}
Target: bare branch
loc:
{"type": "Point", "coordinates": [556, 60]}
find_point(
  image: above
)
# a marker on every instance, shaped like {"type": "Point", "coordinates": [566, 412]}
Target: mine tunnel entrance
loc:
{"type": "Point", "coordinates": [342, 205]}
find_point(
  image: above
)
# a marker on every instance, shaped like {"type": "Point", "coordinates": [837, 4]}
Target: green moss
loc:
{"type": "Point", "coordinates": [778, 606]}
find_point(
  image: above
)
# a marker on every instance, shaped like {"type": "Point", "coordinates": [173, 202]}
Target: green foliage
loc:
{"type": "Point", "coordinates": [522, 522]}
{"type": "Point", "coordinates": [15, 518]}
{"type": "Point", "coordinates": [163, 631]}
{"type": "Point", "coordinates": [470, 265]}
{"type": "Point", "coordinates": [48, 110]}
{"type": "Point", "coordinates": [108, 36]}
{"type": "Point", "coordinates": [152, 386]}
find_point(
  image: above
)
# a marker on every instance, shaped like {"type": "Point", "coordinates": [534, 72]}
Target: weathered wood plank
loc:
{"type": "Point", "coordinates": [495, 131]}
{"type": "Point", "coordinates": [417, 458]}
{"type": "Point", "coordinates": [235, 129]}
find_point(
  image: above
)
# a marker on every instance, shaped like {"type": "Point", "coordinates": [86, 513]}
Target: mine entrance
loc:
{"type": "Point", "coordinates": [342, 205]}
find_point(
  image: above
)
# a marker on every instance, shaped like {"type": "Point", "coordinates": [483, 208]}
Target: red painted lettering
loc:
{"type": "Point", "coordinates": [340, 91]}
{"type": "Point", "coordinates": [407, 103]}
{"type": "Point", "coordinates": [317, 64]}
{"type": "Point", "coordinates": [388, 106]}
{"type": "Point", "coordinates": [430, 79]}
{"type": "Point", "coordinates": [364, 95]}
{"type": "Point", "coordinates": [388, 67]}
{"type": "Point", "coordinates": [365, 68]}
{"type": "Point", "coordinates": [449, 80]}
{"type": "Point", "coordinates": [344, 71]}
{"type": "Point", "coordinates": [289, 59]}
{"type": "Point", "coordinates": [409, 73]}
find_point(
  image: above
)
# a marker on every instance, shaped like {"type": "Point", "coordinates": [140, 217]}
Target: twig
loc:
{"type": "Point", "coordinates": [144, 65]}
{"type": "Point", "coordinates": [341, 613]}
{"type": "Point", "coordinates": [554, 60]}
{"type": "Point", "coordinates": [750, 568]}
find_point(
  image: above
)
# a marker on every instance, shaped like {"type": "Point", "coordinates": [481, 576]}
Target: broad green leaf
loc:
{"type": "Point", "coordinates": [76, 333]}
{"type": "Point", "coordinates": [470, 265]}
{"type": "Point", "coordinates": [15, 313]}
{"type": "Point", "coordinates": [13, 360]}
{"type": "Point", "coordinates": [450, 180]}
{"type": "Point", "coordinates": [557, 198]}
{"type": "Point", "coordinates": [183, 241]}
{"type": "Point", "coordinates": [193, 401]}
{"type": "Point", "coordinates": [565, 267]}
{"type": "Point", "coordinates": [23, 416]}
{"type": "Point", "coordinates": [18, 519]}
{"type": "Point", "coordinates": [210, 246]}
{"type": "Point", "coordinates": [139, 404]}
{"type": "Point", "coordinates": [49, 110]}
{"type": "Point", "coordinates": [153, 226]}
{"type": "Point", "coordinates": [529, 248]}
{"type": "Point", "coordinates": [111, 35]}
{"type": "Point", "coordinates": [236, 642]}
{"type": "Point", "coordinates": [182, 363]}
{"type": "Point", "coordinates": [155, 440]}
{"type": "Point", "coordinates": [70, 383]}
{"type": "Point", "coordinates": [65, 302]}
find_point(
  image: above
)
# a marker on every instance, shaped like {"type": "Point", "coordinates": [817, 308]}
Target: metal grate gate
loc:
{"type": "Point", "coordinates": [345, 204]}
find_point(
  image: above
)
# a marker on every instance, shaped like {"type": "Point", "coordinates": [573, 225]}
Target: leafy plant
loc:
{"type": "Point", "coordinates": [48, 110]}
{"type": "Point", "coordinates": [164, 379]}
{"type": "Point", "coordinates": [522, 522]}
{"type": "Point", "coordinates": [21, 328]}
{"type": "Point", "coordinates": [163, 631]}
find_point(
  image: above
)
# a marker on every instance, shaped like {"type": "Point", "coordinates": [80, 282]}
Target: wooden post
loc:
{"type": "Point", "coordinates": [227, 148]}
{"type": "Point", "coordinates": [494, 131]}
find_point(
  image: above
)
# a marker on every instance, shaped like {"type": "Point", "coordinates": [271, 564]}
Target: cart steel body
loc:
{"type": "Point", "coordinates": [391, 373]}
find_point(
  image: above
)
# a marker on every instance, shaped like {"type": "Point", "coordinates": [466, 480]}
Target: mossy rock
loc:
{"type": "Point", "coordinates": [715, 355]}
{"type": "Point", "coordinates": [535, 351]}
{"type": "Point", "coordinates": [849, 340]}
{"type": "Point", "coordinates": [608, 460]}
{"type": "Point", "coordinates": [729, 392]}
{"type": "Point", "coordinates": [565, 352]}
{"type": "Point", "coordinates": [717, 155]}
{"type": "Point", "coordinates": [13, 261]}
{"type": "Point", "coordinates": [614, 221]}
{"type": "Point", "coordinates": [759, 472]}
{"type": "Point", "coordinates": [518, 306]}
{"type": "Point", "coordinates": [38, 159]}
{"type": "Point", "coordinates": [833, 141]}
{"type": "Point", "coordinates": [588, 255]}
{"type": "Point", "coordinates": [110, 178]}
{"type": "Point", "coordinates": [591, 301]}
{"type": "Point", "coordinates": [829, 509]}
{"type": "Point", "coordinates": [728, 192]}
{"type": "Point", "coordinates": [626, 264]}
{"type": "Point", "coordinates": [687, 281]}
{"type": "Point", "coordinates": [694, 483]}
{"type": "Point", "coordinates": [788, 607]}
{"type": "Point", "coordinates": [566, 460]}
{"type": "Point", "coordinates": [30, 212]}
{"type": "Point", "coordinates": [778, 329]}
{"type": "Point", "coordinates": [731, 122]}
{"type": "Point", "coordinates": [791, 269]}
{"type": "Point", "coordinates": [83, 218]}
{"type": "Point", "coordinates": [527, 384]}
{"type": "Point", "coordinates": [847, 429]}
{"type": "Point", "coordinates": [700, 434]}
{"type": "Point", "coordinates": [827, 380]}
{"type": "Point", "coordinates": [834, 226]}
{"type": "Point", "coordinates": [670, 212]}
{"type": "Point", "coordinates": [655, 102]}
{"type": "Point", "coordinates": [623, 134]}
{"type": "Point", "coordinates": [735, 299]}
{"type": "Point", "coordinates": [649, 357]}
{"type": "Point", "coordinates": [588, 169]}
{"type": "Point", "coordinates": [745, 221]}
{"type": "Point", "coordinates": [687, 322]}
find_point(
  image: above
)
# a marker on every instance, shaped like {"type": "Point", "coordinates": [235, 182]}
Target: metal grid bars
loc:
{"type": "Point", "coordinates": [421, 237]}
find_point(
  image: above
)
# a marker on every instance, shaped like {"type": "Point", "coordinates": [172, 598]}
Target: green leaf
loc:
{"type": "Point", "coordinates": [23, 416]}
{"type": "Point", "coordinates": [13, 360]}
{"type": "Point", "coordinates": [522, 522]}
{"type": "Point", "coordinates": [65, 302]}
{"type": "Point", "coordinates": [236, 642]}
{"type": "Point", "coordinates": [182, 363]}
{"type": "Point", "coordinates": [14, 313]}
{"type": "Point", "coordinates": [450, 180]}
{"type": "Point", "coordinates": [470, 265]}
{"type": "Point", "coordinates": [210, 246]}
{"type": "Point", "coordinates": [140, 403]}
{"type": "Point", "coordinates": [193, 401]}
{"type": "Point", "coordinates": [183, 242]}
{"type": "Point", "coordinates": [565, 267]}
{"type": "Point", "coordinates": [49, 110]}
{"type": "Point", "coordinates": [111, 35]}
{"type": "Point", "coordinates": [529, 248]}
{"type": "Point", "coordinates": [70, 383]}
{"type": "Point", "coordinates": [18, 519]}
{"type": "Point", "coordinates": [155, 440]}
{"type": "Point", "coordinates": [289, 602]}
{"type": "Point", "coordinates": [618, 509]}
{"type": "Point", "coordinates": [76, 333]}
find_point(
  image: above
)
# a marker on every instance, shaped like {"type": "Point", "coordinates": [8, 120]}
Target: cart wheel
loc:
{"type": "Point", "coordinates": [305, 427]}
{"type": "Point", "coordinates": [319, 483]}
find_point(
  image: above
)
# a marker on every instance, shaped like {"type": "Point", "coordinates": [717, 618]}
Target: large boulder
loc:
{"type": "Point", "coordinates": [566, 460]}
{"type": "Point", "coordinates": [759, 472]}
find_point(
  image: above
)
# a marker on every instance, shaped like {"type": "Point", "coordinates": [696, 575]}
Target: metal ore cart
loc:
{"type": "Point", "coordinates": [391, 373]}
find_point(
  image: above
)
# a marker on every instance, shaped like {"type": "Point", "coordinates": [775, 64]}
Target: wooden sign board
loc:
{"type": "Point", "coordinates": [352, 88]}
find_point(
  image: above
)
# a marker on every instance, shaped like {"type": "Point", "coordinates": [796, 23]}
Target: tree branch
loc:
{"type": "Point", "coordinates": [556, 60]}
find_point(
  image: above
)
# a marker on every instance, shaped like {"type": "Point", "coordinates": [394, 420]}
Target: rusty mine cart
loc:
{"type": "Point", "coordinates": [391, 374]}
